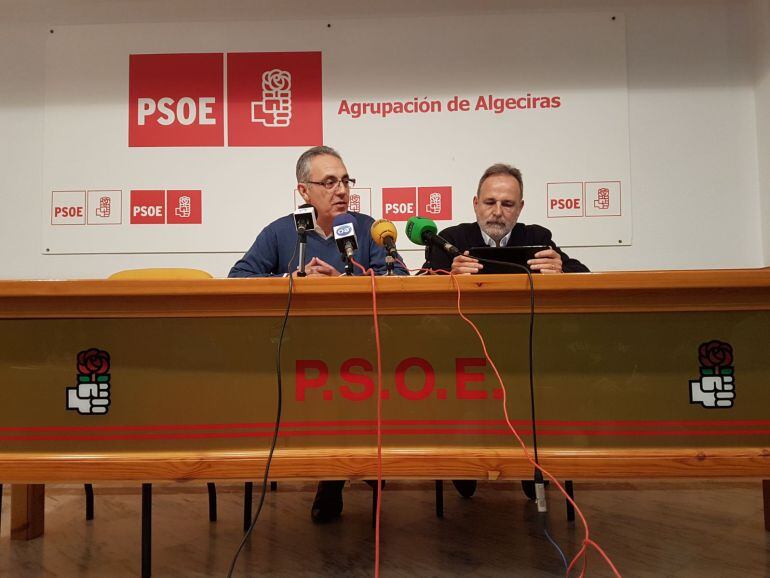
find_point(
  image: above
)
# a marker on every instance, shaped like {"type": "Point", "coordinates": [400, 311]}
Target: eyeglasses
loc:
{"type": "Point", "coordinates": [331, 183]}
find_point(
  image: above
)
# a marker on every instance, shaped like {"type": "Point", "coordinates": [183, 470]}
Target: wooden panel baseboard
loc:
{"type": "Point", "coordinates": [408, 463]}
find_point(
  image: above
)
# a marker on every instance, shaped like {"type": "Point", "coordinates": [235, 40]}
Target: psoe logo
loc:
{"type": "Point", "coordinates": [176, 100]}
{"type": "Point", "coordinates": [274, 99]}
{"type": "Point", "coordinates": [275, 107]}
{"type": "Point", "coordinates": [91, 395]}
{"type": "Point", "coordinates": [716, 387]}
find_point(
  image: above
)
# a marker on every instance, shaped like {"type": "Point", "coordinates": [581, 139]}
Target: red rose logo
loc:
{"type": "Point", "coordinates": [715, 354]}
{"type": "Point", "coordinates": [93, 362]}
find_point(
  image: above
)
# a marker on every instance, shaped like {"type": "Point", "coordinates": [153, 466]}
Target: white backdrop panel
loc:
{"type": "Point", "coordinates": [578, 57]}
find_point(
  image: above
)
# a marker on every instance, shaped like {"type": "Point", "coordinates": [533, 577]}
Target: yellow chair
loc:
{"type": "Point", "coordinates": [160, 274]}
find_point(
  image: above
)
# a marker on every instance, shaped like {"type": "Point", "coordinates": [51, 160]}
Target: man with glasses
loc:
{"type": "Point", "coordinates": [323, 182]}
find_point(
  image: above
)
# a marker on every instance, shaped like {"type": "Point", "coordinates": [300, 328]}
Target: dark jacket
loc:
{"type": "Point", "coordinates": [467, 235]}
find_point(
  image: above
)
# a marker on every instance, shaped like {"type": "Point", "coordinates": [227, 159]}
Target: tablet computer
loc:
{"type": "Point", "coordinates": [516, 255]}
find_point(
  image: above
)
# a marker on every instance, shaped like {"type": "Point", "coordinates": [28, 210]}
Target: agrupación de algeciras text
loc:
{"type": "Point", "coordinates": [423, 105]}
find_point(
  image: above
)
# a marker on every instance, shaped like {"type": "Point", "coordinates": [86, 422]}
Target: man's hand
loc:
{"type": "Point", "coordinates": [319, 268]}
{"type": "Point", "coordinates": [465, 265]}
{"type": "Point", "coordinates": [546, 261]}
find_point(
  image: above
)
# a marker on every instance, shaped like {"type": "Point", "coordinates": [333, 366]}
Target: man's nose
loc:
{"type": "Point", "coordinates": [498, 209]}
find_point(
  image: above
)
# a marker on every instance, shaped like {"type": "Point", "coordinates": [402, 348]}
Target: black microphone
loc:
{"type": "Point", "coordinates": [304, 218]}
{"type": "Point", "coordinates": [345, 236]}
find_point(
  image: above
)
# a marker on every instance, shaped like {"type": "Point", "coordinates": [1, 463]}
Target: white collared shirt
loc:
{"type": "Point", "coordinates": [321, 233]}
{"type": "Point", "coordinates": [491, 242]}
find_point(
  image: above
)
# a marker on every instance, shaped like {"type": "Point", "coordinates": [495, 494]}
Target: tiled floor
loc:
{"type": "Point", "coordinates": [651, 529]}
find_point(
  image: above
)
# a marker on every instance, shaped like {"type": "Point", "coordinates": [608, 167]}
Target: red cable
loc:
{"type": "Point", "coordinates": [379, 419]}
{"type": "Point", "coordinates": [586, 541]}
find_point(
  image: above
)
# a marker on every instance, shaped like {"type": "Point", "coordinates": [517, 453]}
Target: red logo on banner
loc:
{"type": "Point", "coordinates": [435, 203]}
{"type": "Point", "coordinates": [399, 203]}
{"type": "Point", "coordinates": [148, 207]}
{"type": "Point", "coordinates": [175, 100]}
{"type": "Point", "coordinates": [184, 207]}
{"type": "Point", "coordinates": [274, 99]}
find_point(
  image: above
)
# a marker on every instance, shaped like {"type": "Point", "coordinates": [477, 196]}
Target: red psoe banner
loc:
{"type": "Point", "coordinates": [176, 100]}
{"type": "Point", "coordinates": [148, 207]}
{"type": "Point", "coordinates": [274, 99]}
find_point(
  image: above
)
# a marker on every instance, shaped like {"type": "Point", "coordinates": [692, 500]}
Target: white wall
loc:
{"type": "Point", "coordinates": [698, 145]}
{"type": "Point", "coordinates": [761, 19]}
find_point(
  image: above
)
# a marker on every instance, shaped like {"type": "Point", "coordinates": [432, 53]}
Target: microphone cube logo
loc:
{"type": "Point", "coordinates": [274, 99]}
{"type": "Point", "coordinates": [435, 203]}
{"type": "Point", "coordinates": [91, 395]}
{"type": "Point", "coordinates": [175, 100]}
{"type": "Point", "coordinates": [341, 231]}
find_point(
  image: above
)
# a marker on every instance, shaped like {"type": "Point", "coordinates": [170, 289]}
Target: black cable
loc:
{"type": "Point", "coordinates": [538, 475]}
{"type": "Point", "coordinates": [279, 409]}
{"type": "Point", "coordinates": [531, 354]}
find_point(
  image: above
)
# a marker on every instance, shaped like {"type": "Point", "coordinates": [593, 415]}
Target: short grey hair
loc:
{"type": "Point", "coordinates": [501, 169]}
{"type": "Point", "coordinates": [303, 163]}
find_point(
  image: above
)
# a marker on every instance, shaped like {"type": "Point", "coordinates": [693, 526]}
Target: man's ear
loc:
{"type": "Point", "coordinates": [302, 190]}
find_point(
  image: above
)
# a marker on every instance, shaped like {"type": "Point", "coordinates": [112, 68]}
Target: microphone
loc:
{"type": "Point", "coordinates": [384, 234]}
{"type": "Point", "coordinates": [304, 221]}
{"type": "Point", "coordinates": [304, 218]}
{"type": "Point", "coordinates": [423, 231]}
{"type": "Point", "coordinates": [345, 236]}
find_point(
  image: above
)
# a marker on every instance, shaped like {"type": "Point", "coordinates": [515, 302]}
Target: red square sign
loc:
{"type": "Point", "coordinates": [274, 99]}
{"type": "Point", "coordinates": [435, 203]}
{"type": "Point", "coordinates": [399, 203]}
{"type": "Point", "coordinates": [175, 100]}
{"type": "Point", "coordinates": [148, 207]}
{"type": "Point", "coordinates": [184, 207]}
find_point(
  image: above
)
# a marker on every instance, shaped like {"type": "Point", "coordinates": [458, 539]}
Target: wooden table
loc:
{"type": "Point", "coordinates": [192, 386]}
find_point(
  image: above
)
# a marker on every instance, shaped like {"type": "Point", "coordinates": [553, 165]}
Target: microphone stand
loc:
{"type": "Point", "coordinates": [389, 264]}
{"type": "Point", "coordinates": [347, 258]}
{"type": "Point", "coordinates": [302, 249]}
{"type": "Point", "coordinates": [428, 257]}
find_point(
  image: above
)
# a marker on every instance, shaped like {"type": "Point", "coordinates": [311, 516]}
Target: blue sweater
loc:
{"type": "Point", "coordinates": [274, 247]}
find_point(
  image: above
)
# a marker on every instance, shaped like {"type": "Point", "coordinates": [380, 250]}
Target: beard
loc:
{"type": "Point", "coordinates": [495, 229]}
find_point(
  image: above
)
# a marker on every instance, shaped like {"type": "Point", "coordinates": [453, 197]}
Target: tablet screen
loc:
{"type": "Point", "coordinates": [516, 255]}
